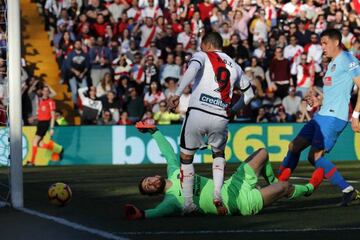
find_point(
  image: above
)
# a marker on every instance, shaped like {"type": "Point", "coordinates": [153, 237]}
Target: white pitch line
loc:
{"type": "Point", "coordinates": [70, 224]}
{"type": "Point", "coordinates": [199, 232]}
{"type": "Point", "coordinates": [304, 178]}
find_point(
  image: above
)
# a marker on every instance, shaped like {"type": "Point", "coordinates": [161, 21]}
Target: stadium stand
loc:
{"type": "Point", "coordinates": [119, 46]}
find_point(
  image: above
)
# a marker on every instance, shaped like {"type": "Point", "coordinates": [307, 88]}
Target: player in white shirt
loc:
{"type": "Point", "coordinates": [214, 75]}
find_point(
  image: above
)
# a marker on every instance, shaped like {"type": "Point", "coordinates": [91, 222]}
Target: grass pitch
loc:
{"type": "Point", "coordinates": [99, 193]}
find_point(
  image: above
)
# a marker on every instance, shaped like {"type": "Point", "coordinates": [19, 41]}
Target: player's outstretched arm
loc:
{"type": "Point", "coordinates": [165, 147]}
{"type": "Point", "coordinates": [167, 151]}
{"type": "Point", "coordinates": [166, 208]}
{"type": "Point", "coordinates": [355, 116]}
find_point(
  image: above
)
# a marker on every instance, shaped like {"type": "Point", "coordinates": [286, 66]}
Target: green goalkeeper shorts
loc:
{"type": "Point", "coordinates": [249, 200]}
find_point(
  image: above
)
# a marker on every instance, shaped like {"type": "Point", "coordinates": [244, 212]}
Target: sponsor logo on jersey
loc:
{"type": "Point", "coordinates": [213, 101]}
{"type": "Point", "coordinates": [353, 65]}
{"type": "Point", "coordinates": [333, 67]}
{"type": "Point", "coordinates": [327, 81]}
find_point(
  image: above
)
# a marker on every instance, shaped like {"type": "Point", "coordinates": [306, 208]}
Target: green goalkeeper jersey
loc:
{"type": "Point", "coordinates": [203, 188]}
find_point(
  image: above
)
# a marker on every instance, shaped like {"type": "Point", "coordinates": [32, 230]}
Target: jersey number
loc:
{"type": "Point", "coordinates": [222, 78]}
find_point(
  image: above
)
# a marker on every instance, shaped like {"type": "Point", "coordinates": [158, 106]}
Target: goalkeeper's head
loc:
{"type": "Point", "coordinates": [151, 186]}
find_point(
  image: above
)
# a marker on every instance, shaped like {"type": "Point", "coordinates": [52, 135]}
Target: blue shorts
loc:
{"type": "Point", "coordinates": [323, 131]}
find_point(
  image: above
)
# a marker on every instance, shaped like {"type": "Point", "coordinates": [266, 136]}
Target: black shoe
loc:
{"type": "Point", "coordinates": [349, 197]}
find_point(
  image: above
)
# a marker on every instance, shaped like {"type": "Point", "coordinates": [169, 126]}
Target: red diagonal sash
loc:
{"type": "Point", "coordinates": [222, 76]}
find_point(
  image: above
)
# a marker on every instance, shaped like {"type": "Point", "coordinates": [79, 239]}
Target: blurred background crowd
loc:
{"type": "Point", "coordinates": [121, 59]}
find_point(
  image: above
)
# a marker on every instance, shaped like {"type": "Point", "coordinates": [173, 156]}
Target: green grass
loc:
{"type": "Point", "coordinates": [99, 193]}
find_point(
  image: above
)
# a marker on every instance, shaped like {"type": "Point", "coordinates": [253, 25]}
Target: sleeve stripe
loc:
{"type": "Point", "coordinates": [195, 60]}
{"type": "Point", "coordinates": [244, 90]}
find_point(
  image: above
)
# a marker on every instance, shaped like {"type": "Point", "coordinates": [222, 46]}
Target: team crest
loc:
{"type": "Point", "coordinates": [333, 67]}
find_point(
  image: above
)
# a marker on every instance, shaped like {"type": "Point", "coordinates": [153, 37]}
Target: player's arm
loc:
{"type": "Point", "coordinates": [247, 92]}
{"type": "Point", "coordinates": [354, 71]}
{"type": "Point", "coordinates": [355, 115]}
{"type": "Point", "coordinates": [167, 151]}
{"type": "Point", "coordinates": [167, 207]}
{"type": "Point", "coordinates": [195, 64]}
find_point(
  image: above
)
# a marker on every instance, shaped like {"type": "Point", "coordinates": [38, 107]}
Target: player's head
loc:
{"type": "Point", "coordinates": [211, 41]}
{"type": "Point", "coordinates": [152, 185]}
{"type": "Point", "coordinates": [331, 42]}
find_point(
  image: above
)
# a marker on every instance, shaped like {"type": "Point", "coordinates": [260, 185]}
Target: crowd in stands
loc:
{"type": "Point", "coordinates": [123, 58]}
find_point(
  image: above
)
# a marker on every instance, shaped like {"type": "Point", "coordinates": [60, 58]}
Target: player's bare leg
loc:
{"type": "Point", "coordinates": [187, 173]}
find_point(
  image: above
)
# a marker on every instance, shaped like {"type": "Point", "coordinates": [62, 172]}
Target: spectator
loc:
{"type": "Point", "coordinates": [112, 104]}
{"type": "Point", "coordinates": [91, 105]}
{"type": "Point", "coordinates": [106, 119]}
{"type": "Point", "coordinates": [151, 72]}
{"type": "Point", "coordinates": [302, 35]}
{"type": "Point", "coordinates": [305, 74]}
{"type": "Point", "coordinates": [134, 105]}
{"type": "Point", "coordinates": [149, 33]}
{"type": "Point", "coordinates": [313, 50]}
{"type": "Point", "coordinates": [121, 66]}
{"type": "Point", "coordinates": [170, 69]}
{"type": "Point", "coordinates": [185, 37]}
{"type": "Point", "coordinates": [241, 20]}
{"type": "Point", "coordinates": [236, 50]}
{"type": "Point", "coordinates": [259, 28]}
{"type": "Point", "coordinates": [291, 104]}
{"type": "Point", "coordinates": [262, 116]}
{"type": "Point", "coordinates": [164, 117]}
{"type": "Point", "coordinates": [106, 84]}
{"type": "Point", "coordinates": [100, 59]}
{"type": "Point", "coordinates": [149, 118]}
{"type": "Point", "coordinates": [117, 8]}
{"type": "Point", "coordinates": [124, 120]}
{"type": "Point", "coordinates": [280, 74]}
{"type": "Point", "coordinates": [293, 52]}
{"type": "Point", "coordinates": [60, 119]}
{"type": "Point", "coordinates": [170, 84]}
{"type": "Point", "coordinates": [77, 69]}
{"type": "Point", "coordinates": [153, 97]}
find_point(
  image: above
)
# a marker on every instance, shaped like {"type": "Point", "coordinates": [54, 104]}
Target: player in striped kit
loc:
{"type": "Point", "coordinates": [214, 75]}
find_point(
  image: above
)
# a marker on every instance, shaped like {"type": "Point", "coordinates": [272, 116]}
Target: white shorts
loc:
{"type": "Point", "coordinates": [199, 124]}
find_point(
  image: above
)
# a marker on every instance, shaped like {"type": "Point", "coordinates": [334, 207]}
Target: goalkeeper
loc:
{"type": "Point", "coordinates": [239, 193]}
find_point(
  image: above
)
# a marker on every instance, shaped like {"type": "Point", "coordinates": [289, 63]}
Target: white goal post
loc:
{"type": "Point", "coordinates": [15, 118]}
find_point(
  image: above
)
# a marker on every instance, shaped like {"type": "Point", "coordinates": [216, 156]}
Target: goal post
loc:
{"type": "Point", "coordinates": [15, 118]}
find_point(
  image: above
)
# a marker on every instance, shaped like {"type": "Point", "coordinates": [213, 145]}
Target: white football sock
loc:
{"type": "Point", "coordinates": [187, 182]}
{"type": "Point", "coordinates": [218, 176]}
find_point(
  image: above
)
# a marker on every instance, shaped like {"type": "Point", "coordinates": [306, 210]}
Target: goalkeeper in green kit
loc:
{"type": "Point", "coordinates": [239, 193]}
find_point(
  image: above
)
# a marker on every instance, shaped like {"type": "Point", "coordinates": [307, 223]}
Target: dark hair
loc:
{"type": "Point", "coordinates": [333, 34]}
{"type": "Point", "coordinates": [214, 38]}
{"type": "Point", "coordinates": [160, 190]}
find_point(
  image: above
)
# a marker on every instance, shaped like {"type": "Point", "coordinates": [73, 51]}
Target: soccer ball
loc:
{"type": "Point", "coordinates": [59, 194]}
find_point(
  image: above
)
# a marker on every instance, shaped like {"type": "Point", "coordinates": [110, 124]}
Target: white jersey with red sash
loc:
{"type": "Point", "coordinates": [213, 85]}
{"type": "Point", "coordinates": [153, 12]}
{"type": "Point", "coordinates": [185, 39]}
{"type": "Point", "coordinates": [134, 13]}
{"type": "Point", "coordinates": [148, 35]}
{"type": "Point", "coordinates": [293, 53]}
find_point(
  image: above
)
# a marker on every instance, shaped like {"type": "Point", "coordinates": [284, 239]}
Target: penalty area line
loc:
{"type": "Point", "coordinates": [201, 232]}
{"type": "Point", "coordinates": [72, 225]}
